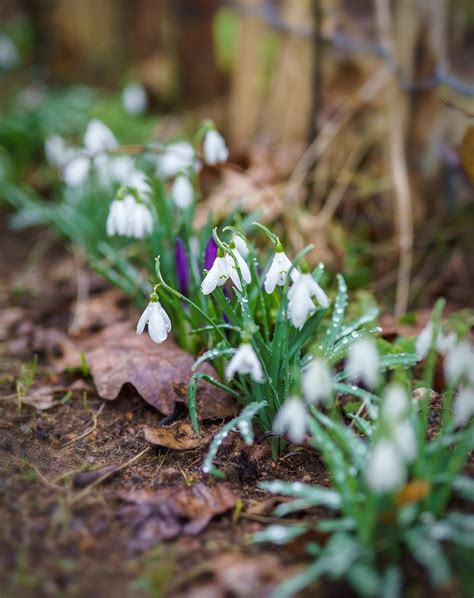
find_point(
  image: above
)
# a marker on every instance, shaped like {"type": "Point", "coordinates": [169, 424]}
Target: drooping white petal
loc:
{"type": "Point", "coordinates": [98, 137]}
{"type": "Point", "coordinates": [424, 341]}
{"type": "Point", "coordinates": [157, 326]}
{"type": "Point", "coordinates": [278, 272]}
{"type": "Point", "coordinates": [385, 470]}
{"type": "Point", "coordinates": [317, 381]}
{"type": "Point", "coordinates": [76, 171]}
{"type": "Point", "coordinates": [134, 98]}
{"type": "Point", "coordinates": [316, 291]}
{"type": "Point", "coordinates": [232, 271]}
{"type": "Point", "coordinates": [142, 322]}
{"type": "Point", "coordinates": [165, 317]}
{"type": "Point", "coordinates": [459, 362]}
{"type": "Point", "coordinates": [241, 245]}
{"type": "Point", "coordinates": [245, 361]}
{"type": "Point", "coordinates": [56, 150]}
{"type": "Point", "coordinates": [215, 149]}
{"type": "Point", "coordinates": [363, 362]}
{"type": "Point", "coordinates": [176, 157]}
{"type": "Point", "coordinates": [292, 420]}
{"type": "Point", "coordinates": [139, 181]}
{"type": "Point", "coordinates": [300, 304]}
{"type": "Point", "coordinates": [404, 438]}
{"type": "Point", "coordinates": [395, 405]}
{"type": "Point", "coordinates": [464, 405]}
{"type": "Point", "coordinates": [243, 266]}
{"type": "Point", "coordinates": [182, 192]}
{"type": "Point", "coordinates": [116, 218]}
{"type": "Point", "coordinates": [217, 276]}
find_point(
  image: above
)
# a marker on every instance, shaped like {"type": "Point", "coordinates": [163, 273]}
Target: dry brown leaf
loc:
{"type": "Point", "coordinates": [159, 373]}
{"type": "Point", "coordinates": [97, 312]}
{"type": "Point", "coordinates": [180, 436]}
{"type": "Point", "coordinates": [164, 514]}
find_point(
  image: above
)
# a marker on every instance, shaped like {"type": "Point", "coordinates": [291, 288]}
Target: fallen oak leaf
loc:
{"type": "Point", "coordinates": [180, 436]}
{"type": "Point", "coordinates": [159, 373]}
{"type": "Point", "coordinates": [45, 397]}
{"type": "Point", "coordinates": [166, 513]}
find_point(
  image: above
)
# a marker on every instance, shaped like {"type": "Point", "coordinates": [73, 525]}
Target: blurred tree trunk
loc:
{"type": "Point", "coordinates": [200, 79]}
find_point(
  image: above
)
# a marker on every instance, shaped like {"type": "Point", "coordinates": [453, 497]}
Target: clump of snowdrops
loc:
{"type": "Point", "coordinates": [392, 479]}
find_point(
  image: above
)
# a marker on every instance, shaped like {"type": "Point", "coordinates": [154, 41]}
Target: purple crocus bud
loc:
{"type": "Point", "coordinates": [210, 253]}
{"type": "Point", "coordinates": [182, 266]}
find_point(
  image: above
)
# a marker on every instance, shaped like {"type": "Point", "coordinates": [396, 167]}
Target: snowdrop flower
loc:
{"type": "Point", "coordinates": [76, 171]}
{"type": "Point", "coordinates": [56, 150]}
{"type": "Point", "coordinates": [363, 362]}
{"type": "Point", "coordinates": [317, 382]}
{"type": "Point", "coordinates": [215, 149]}
{"type": "Point", "coordinates": [217, 275]}
{"type": "Point", "coordinates": [404, 438]}
{"type": "Point", "coordinates": [129, 218]}
{"type": "Point", "coordinates": [98, 137]}
{"type": "Point", "coordinates": [240, 244]}
{"type": "Point", "coordinates": [292, 420]}
{"type": "Point", "coordinates": [134, 98]}
{"type": "Point", "coordinates": [159, 324]}
{"type": "Point", "coordinates": [177, 157]}
{"type": "Point", "coordinates": [278, 272]}
{"type": "Point", "coordinates": [300, 298]}
{"type": "Point", "coordinates": [464, 406]}
{"type": "Point", "coordinates": [395, 405]}
{"type": "Point", "coordinates": [182, 192]}
{"type": "Point", "coordinates": [385, 469]}
{"type": "Point", "coordinates": [9, 56]}
{"type": "Point", "coordinates": [243, 266]}
{"type": "Point", "coordinates": [424, 342]}
{"type": "Point", "coordinates": [245, 361]}
{"type": "Point", "coordinates": [459, 362]}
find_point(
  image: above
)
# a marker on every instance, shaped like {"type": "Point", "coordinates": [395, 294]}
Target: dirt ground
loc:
{"type": "Point", "coordinates": [67, 531]}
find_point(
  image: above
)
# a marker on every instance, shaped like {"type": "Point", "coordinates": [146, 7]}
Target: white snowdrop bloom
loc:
{"type": "Point", "coordinates": [116, 223]}
{"type": "Point", "coordinates": [464, 405]}
{"type": "Point", "coordinates": [395, 405]}
{"type": "Point", "coordinates": [182, 192]}
{"type": "Point", "coordinates": [159, 324]}
{"type": "Point", "coordinates": [240, 244]}
{"type": "Point", "coordinates": [98, 137]}
{"type": "Point", "coordinates": [243, 266]}
{"type": "Point", "coordinates": [176, 157]}
{"type": "Point", "coordinates": [9, 56]}
{"type": "Point", "coordinates": [317, 381]}
{"type": "Point", "coordinates": [363, 362]}
{"type": "Point", "coordinates": [292, 420]}
{"type": "Point", "coordinates": [141, 221]}
{"type": "Point", "coordinates": [56, 150]}
{"type": "Point", "coordinates": [76, 171]}
{"type": "Point", "coordinates": [129, 218]}
{"type": "Point", "coordinates": [217, 275]}
{"type": "Point", "coordinates": [215, 149]}
{"type": "Point", "coordinates": [385, 469]}
{"type": "Point", "coordinates": [424, 341]}
{"type": "Point", "coordinates": [459, 362]}
{"type": "Point", "coordinates": [404, 438]}
{"type": "Point", "coordinates": [134, 98]}
{"type": "Point", "coordinates": [245, 361]}
{"type": "Point", "coordinates": [300, 299]}
{"type": "Point", "coordinates": [278, 272]}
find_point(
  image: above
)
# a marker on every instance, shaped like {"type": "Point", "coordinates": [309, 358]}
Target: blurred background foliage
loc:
{"type": "Point", "coordinates": [350, 123]}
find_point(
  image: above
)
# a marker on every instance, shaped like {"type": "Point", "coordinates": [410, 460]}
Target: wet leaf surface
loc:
{"type": "Point", "coordinates": [166, 513]}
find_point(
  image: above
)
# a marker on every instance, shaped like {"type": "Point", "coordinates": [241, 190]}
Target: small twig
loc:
{"type": "Point", "coordinates": [89, 430]}
{"type": "Point", "coordinates": [98, 481]}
